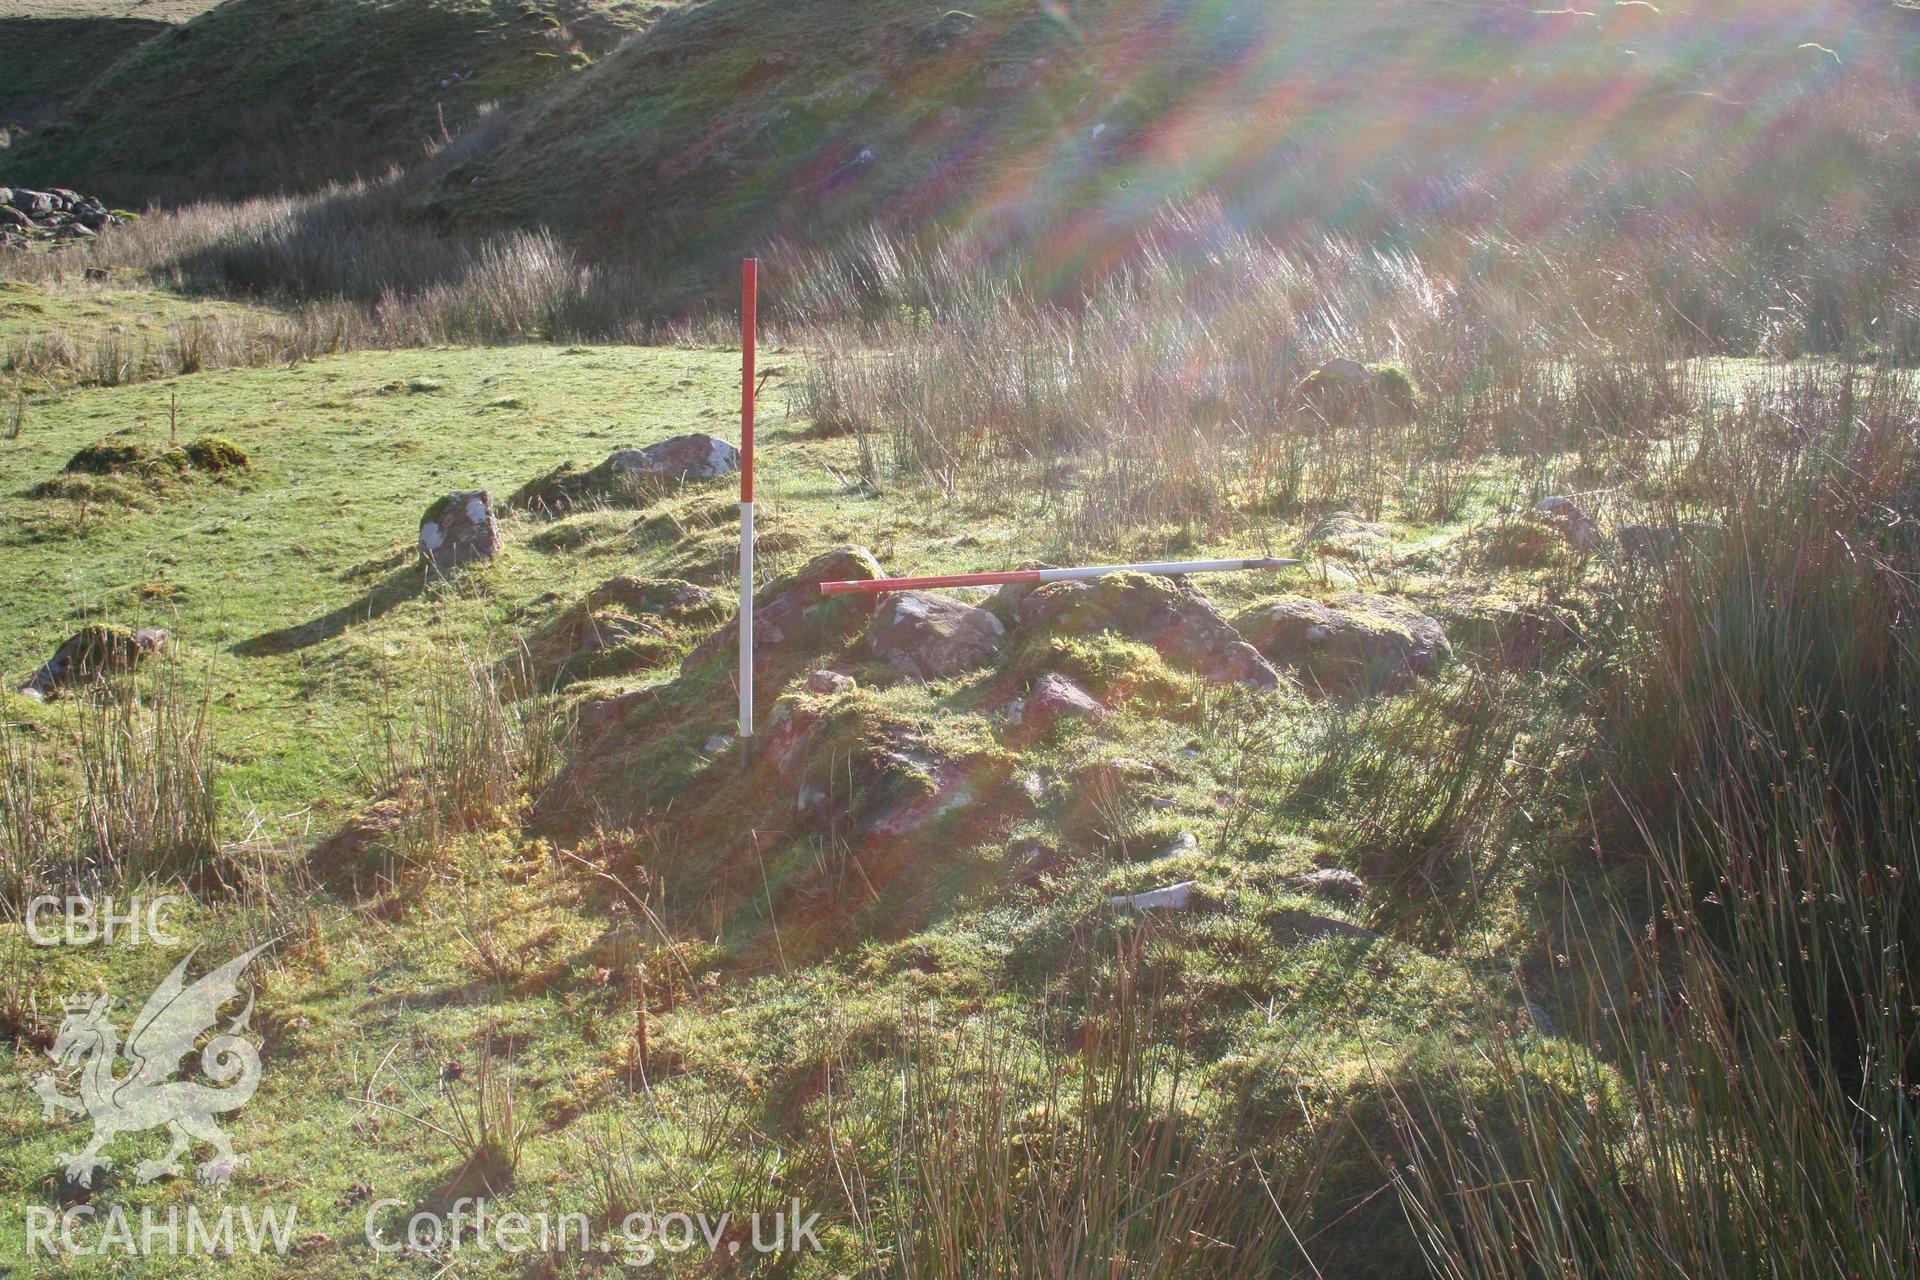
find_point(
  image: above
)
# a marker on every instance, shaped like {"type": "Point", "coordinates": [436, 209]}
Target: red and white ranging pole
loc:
{"type": "Point", "coordinates": [749, 321]}
{"type": "Point", "coordinates": [881, 586]}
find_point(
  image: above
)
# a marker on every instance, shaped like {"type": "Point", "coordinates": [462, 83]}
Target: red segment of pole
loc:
{"type": "Point", "coordinates": [876, 586]}
{"type": "Point", "coordinates": [749, 324]}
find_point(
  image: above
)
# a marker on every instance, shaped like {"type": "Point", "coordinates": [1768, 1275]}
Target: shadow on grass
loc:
{"type": "Point", "coordinates": [383, 597]}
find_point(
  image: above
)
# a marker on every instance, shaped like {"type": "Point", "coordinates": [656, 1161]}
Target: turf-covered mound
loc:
{"type": "Point", "coordinates": [624, 625]}
{"type": "Point", "coordinates": [124, 470]}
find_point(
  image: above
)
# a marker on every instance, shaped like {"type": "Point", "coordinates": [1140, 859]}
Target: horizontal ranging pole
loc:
{"type": "Point", "coordinates": [880, 586]}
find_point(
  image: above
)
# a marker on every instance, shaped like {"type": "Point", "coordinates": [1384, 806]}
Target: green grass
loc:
{"type": "Point", "coordinates": [291, 586]}
{"type": "Point", "coordinates": [795, 973]}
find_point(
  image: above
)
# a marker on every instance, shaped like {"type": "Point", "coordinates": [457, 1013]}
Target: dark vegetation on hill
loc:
{"type": "Point", "coordinates": [1740, 172]}
{"type": "Point", "coordinates": [266, 95]}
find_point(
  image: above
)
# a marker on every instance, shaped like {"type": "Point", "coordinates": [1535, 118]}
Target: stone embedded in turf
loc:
{"type": "Point", "coordinates": [629, 473]}
{"type": "Point", "coordinates": [824, 681]}
{"type": "Point", "coordinates": [1171, 614]}
{"type": "Point", "coordinates": [1581, 531]}
{"type": "Point", "coordinates": [793, 624]}
{"type": "Point", "coordinates": [689, 457]}
{"type": "Point", "coordinates": [94, 653]}
{"type": "Point", "coordinates": [1053, 696]}
{"type": "Point", "coordinates": [1351, 641]}
{"type": "Point", "coordinates": [625, 624]}
{"type": "Point", "coordinates": [1331, 882]}
{"type": "Point", "coordinates": [925, 636]}
{"type": "Point", "coordinates": [459, 529]}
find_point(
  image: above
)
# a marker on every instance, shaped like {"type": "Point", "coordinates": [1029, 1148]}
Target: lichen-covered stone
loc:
{"type": "Point", "coordinates": [627, 473]}
{"type": "Point", "coordinates": [459, 529]}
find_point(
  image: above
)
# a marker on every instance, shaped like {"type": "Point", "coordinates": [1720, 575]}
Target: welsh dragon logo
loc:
{"type": "Point", "coordinates": [166, 1030]}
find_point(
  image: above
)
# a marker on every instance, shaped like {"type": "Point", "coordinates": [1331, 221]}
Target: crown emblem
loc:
{"type": "Point", "coordinates": [77, 1004]}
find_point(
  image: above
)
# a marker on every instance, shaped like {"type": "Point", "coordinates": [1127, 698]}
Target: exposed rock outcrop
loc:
{"type": "Point", "coordinates": [793, 624]}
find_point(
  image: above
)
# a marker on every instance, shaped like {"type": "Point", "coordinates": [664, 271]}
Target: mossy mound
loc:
{"type": "Point", "coordinates": [572, 485]}
{"type": "Point", "coordinates": [121, 455]}
{"type": "Point", "coordinates": [91, 489]}
{"type": "Point", "coordinates": [624, 625]}
{"type": "Point", "coordinates": [1172, 616]}
{"type": "Point", "coordinates": [112, 456]}
{"type": "Point", "coordinates": [1352, 641]}
{"type": "Point", "coordinates": [216, 454]}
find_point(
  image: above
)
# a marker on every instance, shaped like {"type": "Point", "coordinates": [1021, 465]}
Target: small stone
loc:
{"type": "Point", "coordinates": [1054, 696]}
{"type": "Point", "coordinates": [717, 743]}
{"type": "Point", "coordinates": [1331, 882]}
{"type": "Point", "coordinates": [824, 681]}
{"type": "Point", "coordinates": [1582, 533]}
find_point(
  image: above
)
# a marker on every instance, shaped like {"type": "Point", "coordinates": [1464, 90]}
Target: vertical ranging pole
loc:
{"type": "Point", "coordinates": [749, 321]}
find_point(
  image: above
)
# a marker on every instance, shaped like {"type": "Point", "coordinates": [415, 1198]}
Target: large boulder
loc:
{"type": "Point", "coordinates": [94, 653]}
{"type": "Point", "coordinates": [630, 472]}
{"type": "Point", "coordinates": [1350, 641]}
{"type": "Point", "coordinates": [793, 624]}
{"type": "Point", "coordinates": [924, 636]}
{"type": "Point", "coordinates": [459, 529]}
{"type": "Point", "coordinates": [1170, 614]}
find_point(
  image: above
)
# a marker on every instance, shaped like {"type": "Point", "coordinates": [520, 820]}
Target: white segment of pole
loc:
{"type": "Point", "coordinates": [1160, 567]}
{"type": "Point", "coordinates": [746, 621]}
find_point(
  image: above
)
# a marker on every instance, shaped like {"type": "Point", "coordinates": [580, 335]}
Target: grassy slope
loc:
{"type": "Point", "coordinates": [739, 121]}
{"type": "Point", "coordinates": [257, 94]}
{"type": "Point", "coordinates": [85, 316]}
{"type": "Point", "coordinates": [344, 461]}
{"type": "Point", "coordinates": [345, 456]}
{"type": "Point", "coordinates": [51, 50]}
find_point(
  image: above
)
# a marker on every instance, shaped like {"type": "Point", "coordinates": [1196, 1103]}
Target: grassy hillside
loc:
{"type": "Point", "coordinates": [736, 122]}
{"type": "Point", "coordinates": [49, 61]}
{"type": "Point", "coordinates": [260, 95]}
